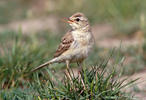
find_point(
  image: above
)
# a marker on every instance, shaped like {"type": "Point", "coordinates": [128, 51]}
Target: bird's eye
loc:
{"type": "Point", "coordinates": [77, 19]}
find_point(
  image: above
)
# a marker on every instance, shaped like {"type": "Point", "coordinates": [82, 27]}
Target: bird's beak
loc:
{"type": "Point", "coordinates": [67, 20]}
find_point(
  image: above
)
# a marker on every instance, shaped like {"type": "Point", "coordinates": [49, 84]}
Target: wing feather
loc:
{"type": "Point", "coordinates": [66, 42]}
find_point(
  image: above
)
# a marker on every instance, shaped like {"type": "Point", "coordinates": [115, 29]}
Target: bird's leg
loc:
{"type": "Point", "coordinates": [67, 70]}
{"type": "Point", "coordinates": [80, 64]}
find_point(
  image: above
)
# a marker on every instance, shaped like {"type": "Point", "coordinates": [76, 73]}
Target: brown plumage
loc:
{"type": "Point", "coordinates": [75, 45]}
{"type": "Point", "coordinates": [66, 42]}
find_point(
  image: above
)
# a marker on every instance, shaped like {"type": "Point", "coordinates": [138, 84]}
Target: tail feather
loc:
{"type": "Point", "coordinates": [41, 66]}
{"type": "Point", "coordinates": [45, 64]}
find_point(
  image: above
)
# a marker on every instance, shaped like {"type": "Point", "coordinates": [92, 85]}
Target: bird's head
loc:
{"type": "Point", "coordinates": [77, 21]}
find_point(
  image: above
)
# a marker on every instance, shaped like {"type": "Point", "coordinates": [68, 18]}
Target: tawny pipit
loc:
{"type": "Point", "coordinates": [76, 44]}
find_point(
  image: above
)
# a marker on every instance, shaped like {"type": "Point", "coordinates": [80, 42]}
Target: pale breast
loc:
{"type": "Point", "coordinates": [82, 38]}
{"type": "Point", "coordinates": [82, 44]}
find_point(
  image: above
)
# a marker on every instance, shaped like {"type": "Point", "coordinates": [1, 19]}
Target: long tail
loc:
{"type": "Point", "coordinates": [41, 66]}
{"type": "Point", "coordinates": [47, 63]}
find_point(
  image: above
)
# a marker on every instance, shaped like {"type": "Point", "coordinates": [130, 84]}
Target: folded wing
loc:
{"type": "Point", "coordinates": [66, 42]}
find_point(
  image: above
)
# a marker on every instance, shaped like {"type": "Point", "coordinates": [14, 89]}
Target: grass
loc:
{"type": "Point", "coordinates": [95, 83]}
{"type": "Point", "coordinates": [20, 53]}
{"type": "Point", "coordinates": [89, 84]}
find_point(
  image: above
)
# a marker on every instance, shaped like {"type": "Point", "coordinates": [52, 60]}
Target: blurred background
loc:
{"type": "Point", "coordinates": [30, 31]}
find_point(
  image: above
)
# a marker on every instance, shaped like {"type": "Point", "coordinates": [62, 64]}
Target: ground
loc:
{"type": "Point", "coordinates": [104, 37]}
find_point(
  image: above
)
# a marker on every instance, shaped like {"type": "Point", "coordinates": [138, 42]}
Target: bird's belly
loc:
{"type": "Point", "coordinates": [79, 54]}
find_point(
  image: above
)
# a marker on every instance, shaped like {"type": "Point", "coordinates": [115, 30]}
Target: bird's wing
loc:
{"type": "Point", "coordinates": [66, 42]}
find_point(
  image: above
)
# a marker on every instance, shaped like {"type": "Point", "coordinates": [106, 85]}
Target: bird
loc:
{"type": "Point", "coordinates": [76, 44]}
